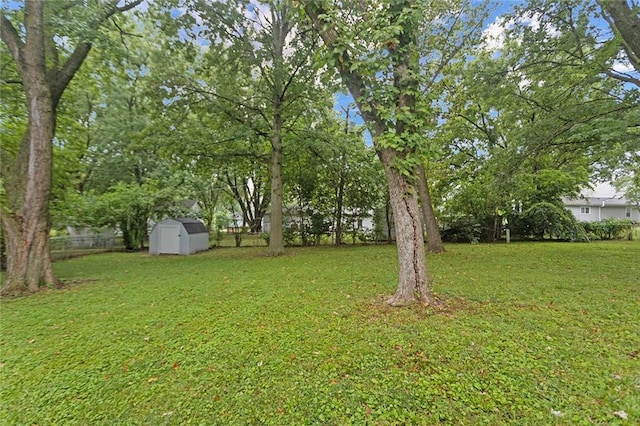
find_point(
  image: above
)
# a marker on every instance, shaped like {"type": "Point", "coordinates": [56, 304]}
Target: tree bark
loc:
{"type": "Point", "coordinates": [626, 22]}
{"type": "Point", "coordinates": [280, 28]}
{"type": "Point", "coordinates": [413, 280]}
{"type": "Point", "coordinates": [276, 241]}
{"type": "Point", "coordinates": [27, 224]}
{"type": "Point", "coordinates": [341, 184]}
{"type": "Point", "coordinates": [434, 240]}
{"type": "Point", "coordinates": [28, 177]}
{"type": "Point", "coordinates": [339, 208]}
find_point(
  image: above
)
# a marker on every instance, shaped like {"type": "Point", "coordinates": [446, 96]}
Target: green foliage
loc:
{"type": "Point", "coordinates": [532, 334]}
{"type": "Point", "coordinates": [550, 220]}
{"type": "Point", "coordinates": [610, 229]}
{"type": "Point", "coordinates": [462, 229]}
{"type": "Point", "coordinates": [532, 117]}
{"type": "Point", "coordinates": [129, 207]}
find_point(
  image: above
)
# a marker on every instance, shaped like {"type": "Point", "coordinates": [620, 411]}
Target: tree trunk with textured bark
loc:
{"type": "Point", "coordinates": [27, 176]}
{"type": "Point", "coordinates": [413, 280]}
{"type": "Point", "coordinates": [434, 240]}
{"type": "Point", "coordinates": [276, 240]}
{"type": "Point", "coordinates": [28, 186]}
{"type": "Point", "coordinates": [625, 21]}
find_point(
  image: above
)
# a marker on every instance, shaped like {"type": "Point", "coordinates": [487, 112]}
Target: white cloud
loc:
{"type": "Point", "coordinates": [623, 67]}
{"type": "Point", "coordinates": [494, 35]}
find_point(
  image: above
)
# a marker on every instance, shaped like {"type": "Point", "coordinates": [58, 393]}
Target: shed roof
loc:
{"type": "Point", "coordinates": [193, 226]}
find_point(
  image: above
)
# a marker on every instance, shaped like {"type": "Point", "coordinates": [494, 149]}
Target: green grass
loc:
{"type": "Point", "coordinates": [231, 337]}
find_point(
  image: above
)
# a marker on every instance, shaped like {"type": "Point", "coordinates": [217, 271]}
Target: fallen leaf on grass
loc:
{"type": "Point", "coordinates": [152, 379]}
{"type": "Point", "coordinates": [622, 414]}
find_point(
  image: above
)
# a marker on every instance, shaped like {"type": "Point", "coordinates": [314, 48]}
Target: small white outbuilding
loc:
{"type": "Point", "coordinates": [178, 236]}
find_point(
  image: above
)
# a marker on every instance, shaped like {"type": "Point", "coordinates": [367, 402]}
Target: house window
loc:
{"type": "Point", "coordinates": [585, 210]}
{"type": "Point", "coordinates": [627, 212]}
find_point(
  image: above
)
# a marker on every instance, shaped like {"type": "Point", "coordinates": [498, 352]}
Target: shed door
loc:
{"type": "Point", "coordinates": [169, 239]}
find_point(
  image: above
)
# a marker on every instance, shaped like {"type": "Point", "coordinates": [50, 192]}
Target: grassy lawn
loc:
{"type": "Point", "coordinates": [532, 334]}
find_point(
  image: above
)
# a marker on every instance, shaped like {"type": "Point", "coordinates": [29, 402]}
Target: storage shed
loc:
{"type": "Point", "coordinates": [178, 236]}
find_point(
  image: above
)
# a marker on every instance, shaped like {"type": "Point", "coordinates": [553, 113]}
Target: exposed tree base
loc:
{"type": "Point", "coordinates": [436, 250]}
{"type": "Point", "coordinates": [12, 289]}
{"type": "Point", "coordinates": [402, 300]}
{"type": "Point", "coordinates": [275, 253]}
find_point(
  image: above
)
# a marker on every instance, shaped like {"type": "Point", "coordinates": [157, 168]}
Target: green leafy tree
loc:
{"type": "Point", "coordinates": [390, 55]}
{"type": "Point", "coordinates": [262, 57]}
{"type": "Point", "coordinates": [529, 119]}
{"type": "Point", "coordinates": [47, 51]}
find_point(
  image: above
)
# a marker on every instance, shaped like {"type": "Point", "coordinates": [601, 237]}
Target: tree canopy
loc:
{"type": "Point", "coordinates": [116, 112]}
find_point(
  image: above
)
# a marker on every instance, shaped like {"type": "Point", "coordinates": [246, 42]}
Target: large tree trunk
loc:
{"type": "Point", "coordinates": [414, 281]}
{"type": "Point", "coordinates": [27, 178]}
{"type": "Point", "coordinates": [434, 241]}
{"type": "Point", "coordinates": [276, 243]}
{"type": "Point", "coordinates": [28, 190]}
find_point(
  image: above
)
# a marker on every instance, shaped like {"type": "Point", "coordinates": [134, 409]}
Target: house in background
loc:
{"type": "Point", "coordinates": [601, 202]}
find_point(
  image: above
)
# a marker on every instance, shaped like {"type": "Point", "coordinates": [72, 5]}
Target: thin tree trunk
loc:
{"type": "Point", "coordinates": [434, 241]}
{"type": "Point", "coordinates": [339, 204]}
{"type": "Point", "coordinates": [280, 28]}
{"type": "Point", "coordinates": [341, 183]}
{"type": "Point", "coordinates": [276, 243]}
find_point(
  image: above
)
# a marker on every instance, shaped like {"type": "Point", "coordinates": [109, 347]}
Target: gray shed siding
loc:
{"type": "Point", "coordinates": [178, 236]}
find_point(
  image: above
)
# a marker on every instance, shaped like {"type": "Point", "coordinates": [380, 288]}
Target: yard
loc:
{"type": "Point", "coordinates": [545, 333]}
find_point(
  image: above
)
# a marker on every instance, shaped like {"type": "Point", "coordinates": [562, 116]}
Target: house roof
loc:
{"type": "Point", "coordinates": [193, 226]}
{"type": "Point", "coordinates": [189, 203]}
{"type": "Point", "coordinates": [596, 202]}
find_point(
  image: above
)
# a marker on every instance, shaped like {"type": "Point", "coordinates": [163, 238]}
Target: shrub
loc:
{"type": "Point", "coordinates": [547, 219]}
{"type": "Point", "coordinates": [610, 229]}
{"type": "Point", "coordinates": [460, 230]}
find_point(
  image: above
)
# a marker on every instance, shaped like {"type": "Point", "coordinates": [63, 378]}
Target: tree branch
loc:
{"type": "Point", "coordinates": [625, 22]}
{"type": "Point", "coordinates": [72, 65]}
{"type": "Point", "coordinates": [11, 38]}
{"type": "Point", "coordinates": [330, 36]}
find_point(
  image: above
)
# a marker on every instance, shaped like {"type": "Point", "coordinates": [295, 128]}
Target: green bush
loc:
{"type": "Point", "coordinates": [462, 230]}
{"type": "Point", "coordinates": [610, 229]}
{"type": "Point", "coordinates": [550, 220]}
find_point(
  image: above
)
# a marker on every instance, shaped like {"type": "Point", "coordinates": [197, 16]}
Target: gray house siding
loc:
{"type": "Point", "coordinates": [593, 209]}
